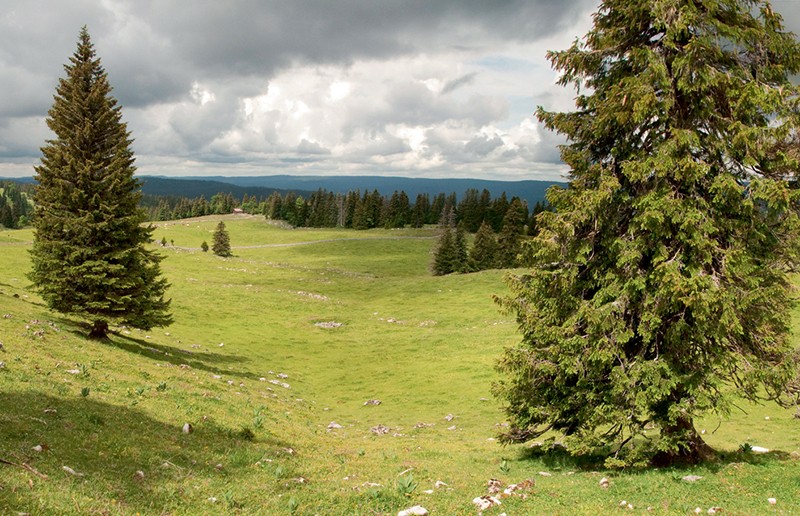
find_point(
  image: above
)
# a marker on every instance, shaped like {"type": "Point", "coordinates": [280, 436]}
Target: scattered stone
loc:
{"type": "Point", "coordinates": [212, 499]}
{"type": "Point", "coordinates": [282, 384]}
{"type": "Point", "coordinates": [439, 484]}
{"type": "Point", "coordinates": [50, 411]}
{"type": "Point", "coordinates": [230, 382]}
{"type": "Point", "coordinates": [71, 471]}
{"type": "Point", "coordinates": [417, 510]}
{"type": "Point", "coordinates": [772, 501]}
{"type": "Point", "coordinates": [73, 371]}
{"type": "Point", "coordinates": [423, 425]}
{"type": "Point", "coordinates": [698, 510]}
{"type": "Point", "coordinates": [301, 480]}
{"type": "Point", "coordinates": [333, 425]}
{"type": "Point", "coordinates": [328, 324]}
{"type": "Point", "coordinates": [318, 297]}
{"type": "Point", "coordinates": [519, 489]}
{"type": "Point", "coordinates": [221, 344]}
{"type": "Point", "coordinates": [625, 505]}
{"type": "Point", "coordinates": [187, 428]}
{"type": "Point", "coordinates": [766, 418]}
{"type": "Point", "coordinates": [759, 449]}
{"type": "Point", "coordinates": [283, 376]}
{"type": "Point", "coordinates": [486, 502]}
{"type": "Point", "coordinates": [494, 486]}
{"type": "Point", "coordinates": [184, 366]}
{"type": "Point", "coordinates": [450, 417]}
{"type": "Point", "coordinates": [218, 467]}
{"type": "Point", "coordinates": [139, 475]}
{"type": "Point", "coordinates": [2, 365]}
{"type": "Point", "coordinates": [545, 474]}
{"type": "Point", "coordinates": [795, 455]}
{"type": "Point", "coordinates": [604, 483]}
{"type": "Point", "coordinates": [262, 379]}
{"type": "Point", "coordinates": [289, 451]}
{"type": "Point", "coordinates": [691, 478]}
{"type": "Point", "coordinates": [453, 427]}
{"type": "Point", "coordinates": [714, 510]}
{"type": "Point", "coordinates": [38, 448]}
{"type": "Point", "coordinates": [380, 430]}
{"type": "Point", "coordinates": [216, 377]}
{"type": "Point", "coordinates": [372, 402]}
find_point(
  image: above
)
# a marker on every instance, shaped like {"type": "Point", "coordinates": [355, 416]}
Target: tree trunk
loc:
{"type": "Point", "coordinates": [99, 330]}
{"type": "Point", "coordinates": [693, 449]}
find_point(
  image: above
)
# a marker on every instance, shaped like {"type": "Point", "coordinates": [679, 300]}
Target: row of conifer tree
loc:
{"type": "Point", "coordinates": [16, 207]}
{"type": "Point", "coordinates": [354, 210]}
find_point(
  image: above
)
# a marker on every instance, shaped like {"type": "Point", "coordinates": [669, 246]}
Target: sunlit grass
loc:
{"type": "Point", "coordinates": [424, 346]}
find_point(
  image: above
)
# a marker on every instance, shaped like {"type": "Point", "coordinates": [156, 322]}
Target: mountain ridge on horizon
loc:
{"type": "Point", "coordinates": [530, 190]}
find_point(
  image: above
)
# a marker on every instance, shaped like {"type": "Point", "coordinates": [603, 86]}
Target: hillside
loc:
{"type": "Point", "coordinates": [531, 191]}
{"type": "Point", "coordinates": [275, 359]}
{"type": "Point", "coordinates": [191, 188]}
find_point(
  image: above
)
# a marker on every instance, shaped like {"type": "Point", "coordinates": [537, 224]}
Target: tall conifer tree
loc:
{"type": "Point", "coordinates": [659, 289]}
{"type": "Point", "coordinates": [89, 257]}
{"type": "Point", "coordinates": [221, 242]}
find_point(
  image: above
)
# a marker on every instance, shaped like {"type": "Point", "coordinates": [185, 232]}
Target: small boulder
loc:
{"type": "Point", "coordinates": [417, 510]}
{"type": "Point", "coordinates": [380, 429]}
{"type": "Point", "coordinates": [486, 502]}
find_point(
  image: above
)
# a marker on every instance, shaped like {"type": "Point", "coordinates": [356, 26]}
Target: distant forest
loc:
{"type": "Point", "coordinates": [16, 207]}
{"type": "Point", "coordinates": [321, 208]}
{"type": "Point", "coordinates": [356, 210]}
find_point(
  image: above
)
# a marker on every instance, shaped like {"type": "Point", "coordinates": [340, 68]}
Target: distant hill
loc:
{"type": "Point", "coordinates": [262, 186]}
{"type": "Point", "coordinates": [530, 190]}
{"type": "Point", "coordinates": [191, 188]}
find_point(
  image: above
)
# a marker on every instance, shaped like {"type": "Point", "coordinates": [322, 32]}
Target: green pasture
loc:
{"type": "Point", "coordinates": [298, 330]}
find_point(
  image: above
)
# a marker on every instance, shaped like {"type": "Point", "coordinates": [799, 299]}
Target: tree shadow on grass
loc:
{"type": "Point", "coordinates": [558, 458]}
{"type": "Point", "coordinates": [107, 445]}
{"type": "Point", "coordinates": [212, 362]}
{"type": "Point", "coordinates": [216, 363]}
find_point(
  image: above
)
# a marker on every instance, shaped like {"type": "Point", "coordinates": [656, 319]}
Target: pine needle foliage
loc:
{"type": "Point", "coordinates": [221, 241]}
{"type": "Point", "coordinates": [659, 289]}
{"type": "Point", "coordinates": [450, 252]}
{"type": "Point", "coordinates": [89, 257]}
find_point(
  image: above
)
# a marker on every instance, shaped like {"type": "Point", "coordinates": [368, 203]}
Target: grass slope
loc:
{"type": "Point", "coordinates": [424, 346]}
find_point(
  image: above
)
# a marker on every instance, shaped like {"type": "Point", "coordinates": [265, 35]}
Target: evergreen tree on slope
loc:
{"type": "Point", "coordinates": [89, 257]}
{"type": "Point", "coordinates": [221, 242]}
{"type": "Point", "coordinates": [659, 287]}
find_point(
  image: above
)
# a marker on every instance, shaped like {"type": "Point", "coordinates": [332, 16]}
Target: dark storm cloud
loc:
{"type": "Point", "coordinates": [254, 37]}
{"type": "Point", "coordinates": [453, 85]}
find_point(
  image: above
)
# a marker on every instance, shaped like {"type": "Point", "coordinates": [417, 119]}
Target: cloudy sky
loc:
{"type": "Point", "coordinates": [418, 88]}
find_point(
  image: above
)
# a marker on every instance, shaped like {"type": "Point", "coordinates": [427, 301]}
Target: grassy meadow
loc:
{"type": "Point", "coordinates": [296, 331]}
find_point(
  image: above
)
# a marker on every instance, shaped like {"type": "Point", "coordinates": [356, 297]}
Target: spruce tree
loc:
{"type": "Point", "coordinates": [221, 241]}
{"type": "Point", "coordinates": [509, 241]}
{"type": "Point", "coordinates": [483, 254]}
{"type": "Point", "coordinates": [449, 245]}
{"type": "Point", "coordinates": [89, 257]}
{"type": "Point", "coordinates": [659, 288]}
